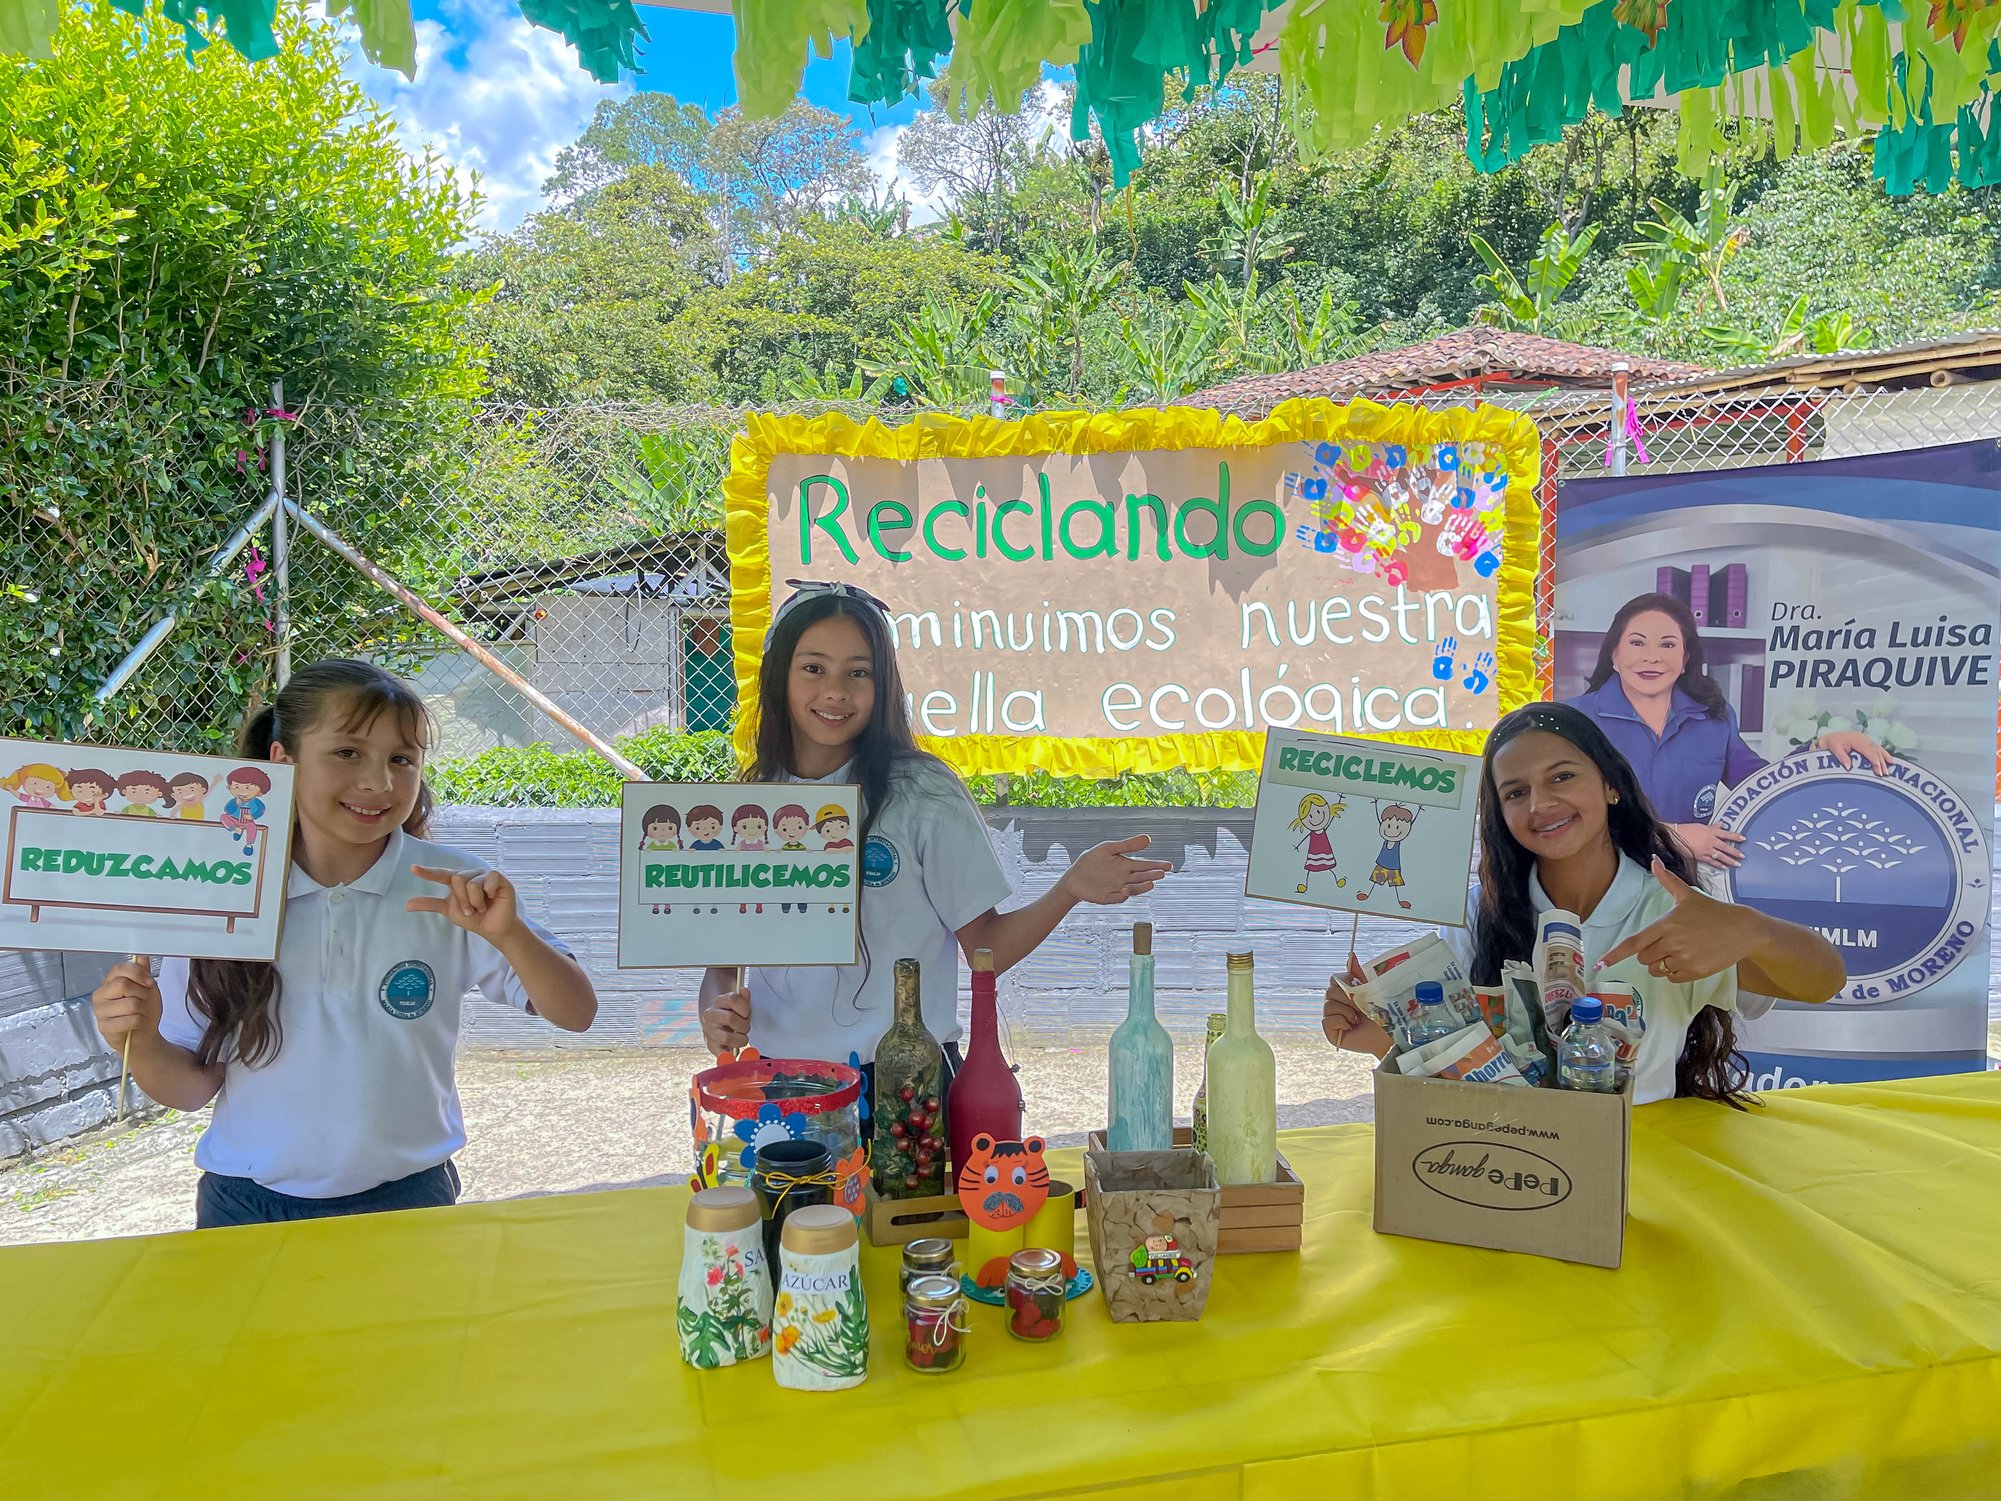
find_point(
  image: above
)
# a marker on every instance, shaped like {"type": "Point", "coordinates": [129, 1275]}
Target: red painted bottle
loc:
{"type": "Point", "coordinates": [985, 1096]}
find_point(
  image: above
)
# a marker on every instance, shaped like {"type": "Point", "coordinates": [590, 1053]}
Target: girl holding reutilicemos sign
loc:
{"type": "Point", "coordinates": [332, 1070]}
{"type": "Point", "coordinates": [1564, 825]}
{"type": "Point", "coordinates": [831, 709]}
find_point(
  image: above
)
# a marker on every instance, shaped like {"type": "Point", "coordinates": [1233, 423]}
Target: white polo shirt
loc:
{"type": "Point", "coordinates": [1635, 900]}
{"type": "Point", "coordinates": [362, 1091]}
{"type": "Point", "coordinates": [928, 869]}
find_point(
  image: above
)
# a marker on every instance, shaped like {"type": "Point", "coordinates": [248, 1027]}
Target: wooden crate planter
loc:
{"type": "Point", "coordinates": [897, 1222]}
{"type": "Point", "coordinates": [1256, 1217]}
{"type": "Point", "coordinates": [1153, 1219]}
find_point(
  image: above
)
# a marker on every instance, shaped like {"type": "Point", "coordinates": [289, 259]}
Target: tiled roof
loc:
{"type": "Point", "coordinates": [1507, 358]}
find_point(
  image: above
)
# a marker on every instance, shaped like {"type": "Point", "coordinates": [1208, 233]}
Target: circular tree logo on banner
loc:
{"type": "Point", "coordinates": [1891, 870]}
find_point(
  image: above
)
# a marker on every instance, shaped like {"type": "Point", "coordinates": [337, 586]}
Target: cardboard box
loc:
{"type": "Point", "coordinates": [1541, 1171]}
{"type": "Point", "coordinates": [1257, 1217]}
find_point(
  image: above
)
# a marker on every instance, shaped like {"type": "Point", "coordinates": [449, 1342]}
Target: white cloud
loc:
{"type": "Point", "coordinates": [880, 147]}
{"type": "Point", "coordinates": [497, 97]}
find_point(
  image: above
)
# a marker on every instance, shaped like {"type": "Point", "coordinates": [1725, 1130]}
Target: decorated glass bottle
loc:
{"type": "Point", "coordinates": [985, 1096]}
{"type": "Point", "coordinates": [1142, 1064]}
{"type": "Point", "coordinates": [1199, 1115]}
{"type": "Point", "coordinates": [908, 1157]}
{"type": "Point", "coordinates": [1243, 1091]}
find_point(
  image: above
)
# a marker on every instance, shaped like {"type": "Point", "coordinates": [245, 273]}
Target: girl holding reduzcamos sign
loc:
{"type": "Point", "coordinates": [332, 1070]}
{"type": "Point", "coordinates": [1564, 826]}
{"type": "Point", "coordinates": [831, 709]}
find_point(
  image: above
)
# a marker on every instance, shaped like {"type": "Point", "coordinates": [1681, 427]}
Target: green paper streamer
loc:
{"type": "Point", "coordinates": [602, 31]}
{"type": "Point", "coordinates": [769, 37]}
{"type": "Point", "coordinates": [28, 27]}
{"type": "Point", "coordinates": [1002, 46]}
{"type": "Point", "coordinates": [901, 49]}
{"type": "Point", "coordinates": [388, 34]}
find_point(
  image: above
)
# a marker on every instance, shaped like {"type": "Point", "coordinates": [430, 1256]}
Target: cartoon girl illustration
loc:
{"type": "Point", "coordinates": [247, 786]}
{"type": "Point", "coordinates": [142, 789]}
{"type": "Point", "coordinates": [37, 785]}
{"type": "Point", "coordinates": [185, 793]}
{"type": "Point", "coordinates": [1315, 814]}
{"type": "Point", "coordinates": [750, 824]}
{"type": "Point", "coordinates": [662, 825]}
{"type": "Point", "coordinates": [1395, 823]}
{"type": "Point", "coordinates": [88, 788]}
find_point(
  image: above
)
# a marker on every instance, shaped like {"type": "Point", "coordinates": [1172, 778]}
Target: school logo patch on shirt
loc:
{"type": "Point", "coordinates": [407, 991]}
{"type": "Point", "coordinates": [880, 861]}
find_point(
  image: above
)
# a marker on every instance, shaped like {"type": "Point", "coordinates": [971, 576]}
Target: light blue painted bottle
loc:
{"type": "Point", "coordinates": [1142, 1064]}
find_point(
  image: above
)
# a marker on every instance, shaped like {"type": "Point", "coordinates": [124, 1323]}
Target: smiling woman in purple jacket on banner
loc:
{"type": "Point", "coordinates": [1652, 695]}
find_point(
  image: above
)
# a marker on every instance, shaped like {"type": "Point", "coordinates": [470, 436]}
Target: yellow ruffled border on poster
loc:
{"type": "Point", "coordinates": [933, 436]}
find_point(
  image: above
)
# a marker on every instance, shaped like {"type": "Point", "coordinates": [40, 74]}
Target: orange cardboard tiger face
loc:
{"type": "Point", "coordinates": [1003, 1183]}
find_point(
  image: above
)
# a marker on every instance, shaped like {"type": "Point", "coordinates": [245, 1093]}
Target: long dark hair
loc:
{"type": "Point", "coordinates": [885, 743]}
{"type": "Point", "coordinates": [238, 999]}
{"type": "Point", "coordinates": [1695, 680]}
{"type": "Point", "coordinates": [1710, 1066]}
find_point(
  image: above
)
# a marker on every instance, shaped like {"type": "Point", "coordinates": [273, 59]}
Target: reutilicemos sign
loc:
{"type": "Point", "coordinates": [186, 855]}
{"type": "Point", "coordinates": [1144, 590]}
{"type": "Point", "coordinates": [1364, 826]}
{"type": "Point", "coordinates": [730, 873]}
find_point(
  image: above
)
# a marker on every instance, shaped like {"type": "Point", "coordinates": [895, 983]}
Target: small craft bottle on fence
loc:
{"type": "Point", "coordinates": [724, 1308]}
{"type": "Point", "coordinates": [819, 1323]}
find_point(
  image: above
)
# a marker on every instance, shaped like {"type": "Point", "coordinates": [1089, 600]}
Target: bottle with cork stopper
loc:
{"type": "Point", "coordinates": [985, 1096]}
{"type": "Point", "coordinates": [1141, 1114]}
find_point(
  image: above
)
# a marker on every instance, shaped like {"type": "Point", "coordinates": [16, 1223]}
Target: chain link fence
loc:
{"type": "Point", "coordinates": [581, 547]}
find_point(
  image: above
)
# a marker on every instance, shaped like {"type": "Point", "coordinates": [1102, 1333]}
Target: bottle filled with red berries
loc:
{"type": "Point", "coordinates": [908, 1160]}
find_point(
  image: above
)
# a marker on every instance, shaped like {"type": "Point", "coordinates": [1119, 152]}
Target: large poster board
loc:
{"type": "Point", "coordinates": [1834, 762]}
{"type": "Point", "coordinates": [738, 873]}
{"type": "Point", "coordinates": [142, 852]}
{"type": "Point", "coordinates": [1144, 590]}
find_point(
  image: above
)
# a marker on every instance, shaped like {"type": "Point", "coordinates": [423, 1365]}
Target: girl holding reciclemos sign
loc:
{"type": "Point", "coordinates": [1564, 825]}
{"type": "Point", "coordinates": [332, 1070]}
{"type": "Point", "coordinates": [831, 708]}
{"type": "Point", "coordinates": [1652, 695]}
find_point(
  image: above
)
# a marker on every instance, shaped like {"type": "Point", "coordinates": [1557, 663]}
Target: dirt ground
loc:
{"type": "Point", "coordinates": [549, 1122]}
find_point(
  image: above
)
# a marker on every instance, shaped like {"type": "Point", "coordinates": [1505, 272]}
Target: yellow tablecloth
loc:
{"type": "Point", "coordinates": [1810, 1307]}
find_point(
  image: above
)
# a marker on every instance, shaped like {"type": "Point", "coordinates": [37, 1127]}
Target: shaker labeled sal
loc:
{"type": "Point", "coordinates": [1243, 1091]}
{"type": "Point", "coordinates": [1142, 1064]}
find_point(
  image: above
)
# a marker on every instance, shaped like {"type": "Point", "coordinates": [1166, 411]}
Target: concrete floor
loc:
{"type": "Point", "coordinates": [549, 1122]}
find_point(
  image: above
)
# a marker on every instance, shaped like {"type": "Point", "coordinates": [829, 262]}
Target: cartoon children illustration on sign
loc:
{"type": "Point", "coordinates": [833, 824]}
{"type": "Point", "coordinates": [662, 831]}
{"type": "Point", "coordinates": [37, 785]}
{"type": "Point", "coordinates": [749, 823]}
{"type": "Point", "coordinates": [247, 786]}
{"type": "Point", "coordinates": [790, 824]}
{"type": "Point", "coordinates": [185, 793]}
{"type": "Point", "coordinates": [88, 788]}
{"type": "Point", "coordinates": [1395, 822]}
{"type": "Point", "coordinates": [142, 789]}
{"type": "Point", "coordinates": [705, 827]}
{"type": "Point", "coordinates": [1315, 814]}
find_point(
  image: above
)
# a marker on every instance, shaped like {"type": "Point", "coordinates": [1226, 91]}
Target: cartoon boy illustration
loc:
{"type": "Point", "coordinates": [1395, 822]}
{"type": "Point", "coordinates": [185, 793]}
{"type": "Point", "coordinates": [790, 823]}
{"type": "Point", "coordinates": [662, 825]}
{"type": "Point", "coordinates": [37, 785]}
{"type": "Point", "coordinates": [142, 789]}
{"type": "Point", "coordinates": [833, 824]}
{"type": "Point", "coordinates": [705, 827]}
{"type": "Point", "coordinates": [1315, 814]}
{"type": "Point", "coordinates": [247, 786]}
{"type": "Point", "coordinates": [750, 824]}
{"type": "Point", "coordinates": [88, 788]}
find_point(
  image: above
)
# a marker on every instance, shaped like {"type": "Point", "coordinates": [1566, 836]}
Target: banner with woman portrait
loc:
{"type": "Point", "coordinates": [1799, 662]}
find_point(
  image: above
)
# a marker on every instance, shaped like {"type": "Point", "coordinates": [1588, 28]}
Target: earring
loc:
{"type": "Point", "coordinates": [1615, 799]}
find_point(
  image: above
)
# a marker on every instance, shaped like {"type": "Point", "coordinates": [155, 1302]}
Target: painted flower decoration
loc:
{"type": "Point", "coordinates": [787, 1338]}
{"type": "Point", "coordinates": [715, 1276]}
{"type": "Point", "coordinates": [862, 1101]}
{"type": "Point", "coordinates": [783, 1307]}
{"type": "Point", "coordinates": [698, 1123]}
{"type": "Point", "coordinates": [708, 1167]}
{"type": "Point", "coordinates": [769, 1125]}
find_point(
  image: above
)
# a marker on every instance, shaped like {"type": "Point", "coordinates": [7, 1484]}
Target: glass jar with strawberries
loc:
{"type": "Point", "coordinates": [1035, 1295]}
{"type": "Point", "coordinates": [909, 1157]}
{"type": "Point", "coordinates": [934, 1321]}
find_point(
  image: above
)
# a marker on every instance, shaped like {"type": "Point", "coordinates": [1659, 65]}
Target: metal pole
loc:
{"type": "Point", "coordinates": [239, 539]}
{"type": "Point", "coordinates": [281, 551]}
{"type": "Point", "coordinates": [1616, 449]}
{"type": "Point", "coordinates": [431, 617]}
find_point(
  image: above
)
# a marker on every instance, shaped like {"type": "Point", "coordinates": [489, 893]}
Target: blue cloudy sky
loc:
{"type": "Point", "coordinates": [500, 97]}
